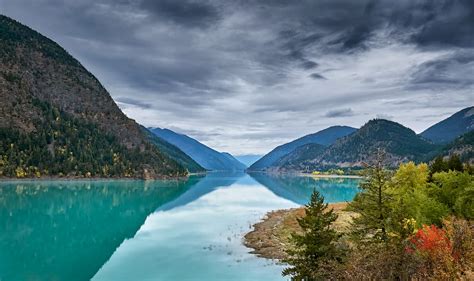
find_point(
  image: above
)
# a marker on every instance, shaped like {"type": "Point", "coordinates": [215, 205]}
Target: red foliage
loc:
{"type": "Point", "coordinates": [431, 239]}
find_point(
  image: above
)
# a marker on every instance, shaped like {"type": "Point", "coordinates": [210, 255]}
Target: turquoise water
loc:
{"type": "Point", "coordinates": [146, 230]}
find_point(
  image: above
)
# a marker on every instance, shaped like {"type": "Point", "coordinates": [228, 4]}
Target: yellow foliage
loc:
{"type": "Point", "coordinates": [410, 175]}
{"type": "Point", "coordinates": [410, 225]}
{"type": "Point", "coordinates": [116, 158]}
{"type": "Point", "coordinates": [20, 172]}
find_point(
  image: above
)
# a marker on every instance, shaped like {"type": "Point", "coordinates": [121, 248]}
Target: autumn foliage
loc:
{"type": "Point", "coordinates": [431, 241]}
{"type": "Point", "coordinates": [438, 252]}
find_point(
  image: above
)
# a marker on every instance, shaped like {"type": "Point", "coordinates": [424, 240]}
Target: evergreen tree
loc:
{"type": "Point", "coordinates": [372, 203]}
{"type": "Point", "coordinates": [314, 251]}
{"type": "Point", "coordinates": [438, 165]}
{"type": "Point", "coordinates": [455, 164]}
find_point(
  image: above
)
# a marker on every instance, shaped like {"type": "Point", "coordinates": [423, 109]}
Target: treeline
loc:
{"type": "Point", "coordinates": [414, 223]}
{"type": "Point", "coordinates": [63, 145]}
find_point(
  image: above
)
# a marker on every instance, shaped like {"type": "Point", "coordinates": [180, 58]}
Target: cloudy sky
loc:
{"type": "Point", "coordinates": [247, 75]}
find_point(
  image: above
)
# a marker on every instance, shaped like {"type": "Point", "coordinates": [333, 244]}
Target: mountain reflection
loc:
{"type": "Point", "coordinates": [68, 230]}
{"type": "Point", "coordinates": [204, 185]}
{"type": "Point", "coordinates": [299, 188]}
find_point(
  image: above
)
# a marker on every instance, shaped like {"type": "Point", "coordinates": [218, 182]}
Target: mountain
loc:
{"type": "Point", "coordinates": [235, 162]}
{"type": "Point", "coordinates": [248, 159]}
{"type": "Point", "coordinates": [174, 152]}
{"type": "Point", "coordinates": [463, 146]}
{"type": "Point", "coordinates": [452, 127]}
{"type": "Point", "coordinates": [400, 144]}
{"type": "Point", "coordinates": [295, 161]}
{"type": "Point", "coordinates": [324, 137]}
{"type": "Point", "coordinates": [56, 119]}
{"type": "Point", "coordinates": [205, 156]}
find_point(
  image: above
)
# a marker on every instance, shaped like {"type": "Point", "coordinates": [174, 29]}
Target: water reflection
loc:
{"type": "Point", "coordinates": [202, 186]}
{"type": "Point", "coordinates": [134, 230]}
{"type": "Point", "coordinates": [68, 230]}
{"type": "Point", "coordinates": [299, 188]}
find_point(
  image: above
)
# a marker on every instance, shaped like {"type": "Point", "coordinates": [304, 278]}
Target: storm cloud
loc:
{"type": "Point", "coordinates": [245, 76]}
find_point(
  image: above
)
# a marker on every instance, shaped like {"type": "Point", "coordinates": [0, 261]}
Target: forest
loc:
{"type": "Point", "coordinates": [412, 223]}
{"type": "Point", "coordinates": [69, 147]}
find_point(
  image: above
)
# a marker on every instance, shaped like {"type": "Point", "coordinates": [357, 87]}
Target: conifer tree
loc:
{"type": "Point", "coordinates": [314, 250]}
{"type": "Point", "coordinates": [455, 164]}
{"type": "Point", "coordinates": [372, 203]}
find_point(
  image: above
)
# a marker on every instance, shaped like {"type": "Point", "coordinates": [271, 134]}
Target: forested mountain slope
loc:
{"type": "Point", "coordinates": [452, 127]}
{"type": "Point", "coordinates": [56, 119]}
{"type": "Point", "coordinates": [324, 137]}
{"type": "Point", "coordinates": [205, 156]}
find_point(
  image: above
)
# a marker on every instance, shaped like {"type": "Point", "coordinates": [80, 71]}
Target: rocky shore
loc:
{"type": "Point", "coordinates": [271, 236]}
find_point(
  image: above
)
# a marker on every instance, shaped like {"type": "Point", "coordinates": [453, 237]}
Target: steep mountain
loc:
{"type": "Point", "coordinates": [56, 119]}
{"type": "Point", "coordinates": [235, 162]}
{"type": "Point", "coordinates": [324, 137]}
{"type": "Point", "coordinates": [452, 127]}
{"type": "Point", "coordinates": [174, 152]}
{"type": "Point", "coordinates": [400, 144]}
{"type": "Point", "coordinates": [205, 156]}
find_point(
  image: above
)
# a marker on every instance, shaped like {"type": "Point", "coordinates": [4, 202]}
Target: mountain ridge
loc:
{"type": "Point", "coordinates": [47, 97]}
{"type": "Point", "coordinates": [400, 143]}
{"type": "Point", "coordinates": [324, 137]}
{"type": "Point", "coordinates": [452, 127]}
{"type": "Point", "coordinates": [205, 156]}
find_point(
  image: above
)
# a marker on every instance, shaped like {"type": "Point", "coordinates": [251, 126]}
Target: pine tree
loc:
{"type": "Point", "coordinates": [455, 164]}
{"type": "Point", "coordinates": [372, 203]}
{"type": "Point", "coordinates": [438, 165]}
{"type": "Point", "coordinates": [314, 251]}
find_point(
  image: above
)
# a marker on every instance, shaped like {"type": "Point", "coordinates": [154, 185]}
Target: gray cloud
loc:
{"type": "Point", "coordinates": [343, 112]}
{"type": "Point", "coordinates": [244, 76]}
{"type": "Point", "coordinates": [187, 13]}
{"type": "Point", "coordinates": [309, 65]}
{"type": "Point", "coordinates": [317, 76]}
{"type": "Point", "coordinates": [455, 70]}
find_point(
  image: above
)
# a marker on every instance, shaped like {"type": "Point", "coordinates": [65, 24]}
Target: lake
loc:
{"type": "Point", "coordinates": [146, 230]}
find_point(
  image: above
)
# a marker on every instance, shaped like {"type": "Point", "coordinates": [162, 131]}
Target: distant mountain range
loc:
{"type": "Point", "coordinates": [447, 130]}
{"type": "Point", "coordinates": [56, 119]}
{"type": "Point", "coordinates": [174, 152]}
{"type": "Point", "coordinates": [324, 137]}
{"type": "Point", "coordinates": [248, 159]}
{"type": "Point", "coordinates": [400, 144]}
{"type": "Point", "coordinates": [205, 156]}
{"type": "Point", "coordinates": [354, 147]}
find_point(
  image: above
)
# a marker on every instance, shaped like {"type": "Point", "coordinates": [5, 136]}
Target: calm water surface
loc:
{"type": "Point", "coordinates": [146, 230]}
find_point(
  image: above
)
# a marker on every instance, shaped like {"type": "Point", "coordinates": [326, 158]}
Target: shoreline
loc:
{"type": "Point", "coordinates": [332, 176]}
{"type": "Point", "coordinates": [271, 235]}
{"type": "Point", "coordinates": [301, 174]}
{"type": "Point", "coordinates": [57, 178]}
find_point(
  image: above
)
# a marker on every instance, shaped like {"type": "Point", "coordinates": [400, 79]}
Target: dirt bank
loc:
{"type": "Point", "coordinates": [270, 237]}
